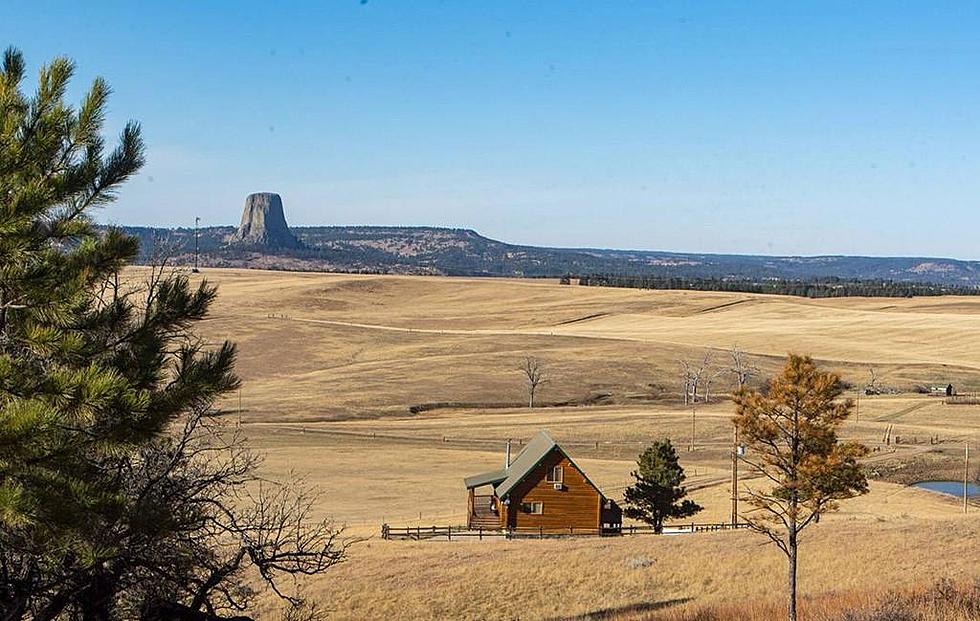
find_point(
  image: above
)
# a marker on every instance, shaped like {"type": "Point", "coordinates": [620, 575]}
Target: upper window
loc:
{"type": "Point", "coordinates": [555, 476]}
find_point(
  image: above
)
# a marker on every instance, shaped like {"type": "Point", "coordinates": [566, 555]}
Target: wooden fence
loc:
{"type": "Point", "coordinates": [419, 533]}
{"type": "Point", "coordinates": [968, 398]}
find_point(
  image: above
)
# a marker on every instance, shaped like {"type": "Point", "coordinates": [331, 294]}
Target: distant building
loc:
{"type": "Point", "coordinates": [541, 489]}
{"type": "Point", "coordinates": [948, 390]}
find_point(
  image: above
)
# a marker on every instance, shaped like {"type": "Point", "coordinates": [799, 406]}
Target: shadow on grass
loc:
{"type": "Point", "coordinates": [611, 613]}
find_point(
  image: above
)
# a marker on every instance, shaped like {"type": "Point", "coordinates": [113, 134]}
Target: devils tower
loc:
{"type": "Point", "coordinates": [264, 223]}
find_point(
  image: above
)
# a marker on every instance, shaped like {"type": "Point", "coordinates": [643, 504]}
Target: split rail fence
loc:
{"type": "Point", "coordinates": [420, 533]}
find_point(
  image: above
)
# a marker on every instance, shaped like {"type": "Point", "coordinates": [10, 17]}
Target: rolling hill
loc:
{"type": "Point", "coordinates": [464, 252]}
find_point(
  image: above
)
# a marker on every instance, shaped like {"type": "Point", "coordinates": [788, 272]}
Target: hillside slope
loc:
{"type": "Point", "coordinates": [463, 252]}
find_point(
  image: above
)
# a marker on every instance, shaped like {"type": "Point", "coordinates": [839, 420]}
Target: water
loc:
{"type": "Point", "coordinates": [954, 488]}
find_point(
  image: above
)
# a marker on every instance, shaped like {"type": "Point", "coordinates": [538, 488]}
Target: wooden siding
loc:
{"type": "Point", "coordinates": [577, 505]}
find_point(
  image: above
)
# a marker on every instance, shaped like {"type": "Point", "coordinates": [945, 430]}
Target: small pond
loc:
{"type": "Point", "coordinates": [954, 488]}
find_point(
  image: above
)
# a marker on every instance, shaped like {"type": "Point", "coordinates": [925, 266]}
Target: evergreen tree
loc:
{"type": "Point", "coordinates": [103, 512]}
{"type": "Point", "coordinates": [831, 287]}
{"type": "Point", "coordinates": [657, 494]}
{"type": "Point", "coordinates": [75, 386]}
{"type": "Point", "coordinates": [791, 431]}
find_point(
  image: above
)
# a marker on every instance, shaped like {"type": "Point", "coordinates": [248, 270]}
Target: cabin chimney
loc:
{"type": "Point", "coordinates": [507, 460]}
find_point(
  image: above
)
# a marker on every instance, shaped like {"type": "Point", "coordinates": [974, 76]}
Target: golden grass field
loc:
{"type": "Point", "coordinates": [331, 364]}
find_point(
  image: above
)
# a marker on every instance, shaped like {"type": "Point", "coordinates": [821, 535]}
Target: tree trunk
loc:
{"type": "Point", "coordinates": [530, 398]}
{"type": "Point", "coordinates": [791, 585]}
{"type": "Point", "coordinates": [15, 609]}
{"type": "Point", "coordinates": [97, 598]}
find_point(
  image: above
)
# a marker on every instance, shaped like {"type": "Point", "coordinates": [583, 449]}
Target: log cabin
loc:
{"type": "Point", "coordinates": [542, 489]}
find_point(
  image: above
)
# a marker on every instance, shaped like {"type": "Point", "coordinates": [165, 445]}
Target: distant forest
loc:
{"type": "Point", "coordinates": [815, 288]}
{"type": "Point", "coordinates": [463, 252]}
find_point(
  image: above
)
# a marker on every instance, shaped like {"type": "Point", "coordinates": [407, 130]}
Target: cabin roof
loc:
{"type": "Point", "coordinates": [486, 478]}
{"type": "Point", "coordinates": [526, 461]}
{"type": "Point", "coordinates": [533, 452]}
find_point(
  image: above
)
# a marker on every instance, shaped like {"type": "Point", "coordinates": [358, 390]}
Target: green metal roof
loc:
{"type": "Point", "coordinates": [486, 478]}
{"type": "Point", "coordinates": [526, 461]}
{"type": "Point", "coordinates": [532, 454]}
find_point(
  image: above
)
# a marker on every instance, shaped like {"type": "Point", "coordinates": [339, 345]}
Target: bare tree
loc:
{"type": "Point", "coordinates": [533, 372]}
{"type": "Point", "coordinates": [233, 526]}
{"type": "Point", "coordinates": [709, 378]}
{"type": "Point", "coordinates": [686, 376]}
{"type": "Point", "coordinates": [740, 368]}
{"type": "Point", "coordinates": [872, 387]}
{"type": "Point", "coordinates": [696, 375]}
{"type": "Point", "coordinates": [697, 378]}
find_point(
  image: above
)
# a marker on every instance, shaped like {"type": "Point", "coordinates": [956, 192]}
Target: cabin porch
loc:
{"type": "Point", "coordinates": [483, 511]}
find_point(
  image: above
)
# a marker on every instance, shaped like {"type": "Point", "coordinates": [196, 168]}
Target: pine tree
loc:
{"type": "Point", "coordinates": [657, 494]}
{"type": "Point", "coordinates": [102, 509]}
{"type": "Point", "coordinates": [65, 403]}
{"type": "Point", "coordinates": [791, 432]}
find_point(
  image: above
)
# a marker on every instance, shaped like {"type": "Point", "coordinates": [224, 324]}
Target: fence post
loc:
{"type": "Point", "coordinates": [384, 532]}
{"type": "Point", "coordinates": [449, 533]}
{"type": "Point", "coordinates": [540, 532]}
{"type": "Point", "coordinates": [418, 533]}
{"type": "Point", "coordinates": [481, 533]}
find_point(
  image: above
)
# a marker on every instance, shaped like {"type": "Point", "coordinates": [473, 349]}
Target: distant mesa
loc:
{"type": "Point", "coordinates": [264, 223]}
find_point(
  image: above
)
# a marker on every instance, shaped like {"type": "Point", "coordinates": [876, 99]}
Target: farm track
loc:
{"type": "Point", "coordinates": [550, 331]}
{"type": "Point", "coordinates": [581, 319]}
{"type": "Point", "coordinates": [718, 307]}
{"type": "Point", "coordinates": [900, 413]}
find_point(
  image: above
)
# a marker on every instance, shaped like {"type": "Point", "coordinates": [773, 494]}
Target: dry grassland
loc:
{"type": "Point", "coordinates": [332, 363]}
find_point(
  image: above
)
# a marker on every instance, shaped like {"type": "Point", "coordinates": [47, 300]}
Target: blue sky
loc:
{"type": "Point", "coordinates": [757, 127]}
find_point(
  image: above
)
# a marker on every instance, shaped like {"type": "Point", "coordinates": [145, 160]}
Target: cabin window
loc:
{"type": "Point", "coordinates": [536, 508]}
{"type": "Point", "coordinates": [555, 476]}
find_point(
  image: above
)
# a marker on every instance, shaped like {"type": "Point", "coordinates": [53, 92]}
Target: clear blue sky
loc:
{"type": "Point", "coordinates": [760, 127]}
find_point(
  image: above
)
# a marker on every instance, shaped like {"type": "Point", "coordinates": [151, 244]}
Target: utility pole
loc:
{"type": "Point", "coordinates": [735, 476]}
{"type": "Point", "coordinates": [694, 416]}
{"type": "Point", "coordinates": [197, 247]}
{"type": "Point", "coordinates": [966, 477]}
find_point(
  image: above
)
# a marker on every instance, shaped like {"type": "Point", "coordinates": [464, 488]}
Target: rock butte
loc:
{"type": "Point", "coordinates": [264, 223]}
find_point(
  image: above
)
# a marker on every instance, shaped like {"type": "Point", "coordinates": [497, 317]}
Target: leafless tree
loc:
{"type": "Point", "coordinates": [695, 376]}
{"type": "Point", "coordinates": [533, 372]}
{"type": "Point", "coordinates": [872, 387]}
{"type": "Point", "coordinates": [708, 379]}
{"type": "Point", "coordinates": [740, 368]}
{"type": "Point", "coordinates": [233, 526]}
{"type": "Point", "coordinates": [686, 380]}
{"type": "Point", "coordinates": [201, 536]}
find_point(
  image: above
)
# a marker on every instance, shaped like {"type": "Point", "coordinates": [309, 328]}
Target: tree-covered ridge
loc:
{"type": "Point", "coordinates": [816, 288]}
{"type": "Point", "coordinates": [464, 252]}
